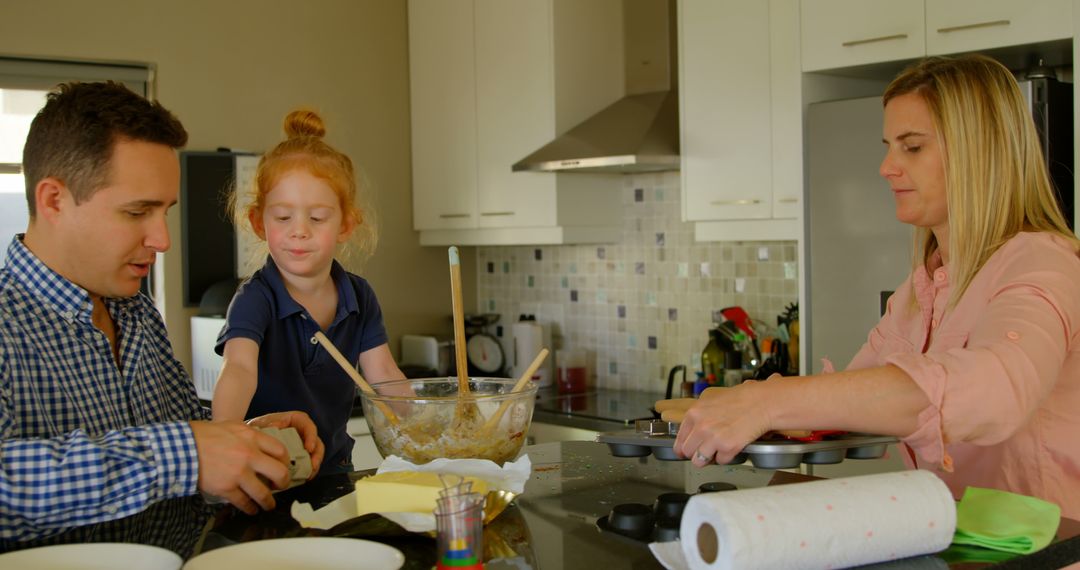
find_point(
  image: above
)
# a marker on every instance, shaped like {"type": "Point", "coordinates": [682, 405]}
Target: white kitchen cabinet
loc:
{"type": "Point", "coordinates": [364, 453]}
{"type": "Point", "coordinates": [443, 80]}
{"type": "Point", "coordinates": [492, 81]}
{"type": "Point", "coordinates": [846, 33]}
{"type": "Point", "coordinates": [740, 118]}
{"type": "Point", "coordinates": [955, 26]}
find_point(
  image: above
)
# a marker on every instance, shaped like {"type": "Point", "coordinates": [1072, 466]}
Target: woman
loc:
{"type": "Point", "coordinates": [976, 363]}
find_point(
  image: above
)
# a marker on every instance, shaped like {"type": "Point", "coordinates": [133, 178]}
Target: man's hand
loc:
{"type": "Point", "coordinates": [232, 457]}
{"type": "Point", "coordinates": [304, 426]}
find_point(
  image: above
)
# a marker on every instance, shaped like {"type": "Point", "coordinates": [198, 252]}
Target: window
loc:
{"type": "Point", "coordinates": [23, 86]}
{"type": "Point", "coordinates": [17, 109]}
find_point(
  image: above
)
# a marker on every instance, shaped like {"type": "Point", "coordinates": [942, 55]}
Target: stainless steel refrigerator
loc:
{"type": "Point", "coordinates": [857, 252]}
{"type": "Point", "coordinates": [856, 248]}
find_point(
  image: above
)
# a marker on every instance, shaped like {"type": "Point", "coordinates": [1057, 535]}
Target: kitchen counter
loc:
{"type": "Point", "coordinates": [551, 526]}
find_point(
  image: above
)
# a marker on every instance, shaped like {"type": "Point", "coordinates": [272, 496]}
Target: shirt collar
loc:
{"type": "Point", "coordinates": [924, 271]}
{"type": "Point", "coordinates": [926, 291]}
{"type": "Point", "coordinates": [70, 300]}
{"type": "Point", "coordinates": [935, 262]}
{"type": "Point", "coordinates": [347, 301]}
{"type": "Point", "coordinates": [287, 306]}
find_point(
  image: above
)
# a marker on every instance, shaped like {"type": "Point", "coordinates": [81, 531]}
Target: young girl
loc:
{"type": "Point", "coordinates": [303, 206]}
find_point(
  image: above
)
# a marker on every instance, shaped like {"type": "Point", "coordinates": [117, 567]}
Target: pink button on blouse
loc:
{"type": "Point", "coordinates": [1001, 370]}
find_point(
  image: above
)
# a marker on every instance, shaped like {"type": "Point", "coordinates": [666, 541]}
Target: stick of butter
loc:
{"type": "Point", "coordinates": [404, 492]}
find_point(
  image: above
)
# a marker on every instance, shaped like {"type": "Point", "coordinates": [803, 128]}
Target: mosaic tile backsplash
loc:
{"type": "Point", "coordinates": [645, 304]}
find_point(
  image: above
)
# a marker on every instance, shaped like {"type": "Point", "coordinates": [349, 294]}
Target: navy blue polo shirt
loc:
{"type": "Point", "coordinates": [295, 372]}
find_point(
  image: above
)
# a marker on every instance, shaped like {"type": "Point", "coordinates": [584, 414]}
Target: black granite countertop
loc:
{"type": "Point", "coordinates": [552, 525]}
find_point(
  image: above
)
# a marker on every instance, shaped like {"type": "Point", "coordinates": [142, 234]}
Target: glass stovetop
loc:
{"type": "Point", "coordinates": [599, 410]}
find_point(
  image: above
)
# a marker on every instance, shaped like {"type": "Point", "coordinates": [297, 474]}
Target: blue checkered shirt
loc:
{"type": "Point", "coordinates": [84, 441]}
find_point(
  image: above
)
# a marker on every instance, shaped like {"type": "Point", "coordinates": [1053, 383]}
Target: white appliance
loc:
{"type": "Point", "coordinates": [205, 363]}
{"type": "Point", "coordinates": [425, 352]}
{"type": "Point", "coordinates": [857, 251]}
{"type": "Point", "coordinates": [529, 338]}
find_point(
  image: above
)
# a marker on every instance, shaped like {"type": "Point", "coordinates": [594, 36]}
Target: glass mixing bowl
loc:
{"type": "Point", "coordinates": [433, 422]}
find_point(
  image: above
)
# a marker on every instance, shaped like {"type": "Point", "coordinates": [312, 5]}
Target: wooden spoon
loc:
{"type": "Point", "coordinates": [355, 375]}
{"type": "Point", "coordinates": [460, 355]}
{"type": "Point", "coordinates": [466, 413]}
{"type": "Point", "coordinates": [518, 386]}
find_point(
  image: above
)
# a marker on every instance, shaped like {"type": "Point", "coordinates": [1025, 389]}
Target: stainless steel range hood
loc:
{"type": "Point", "coordinates": [640, 132]}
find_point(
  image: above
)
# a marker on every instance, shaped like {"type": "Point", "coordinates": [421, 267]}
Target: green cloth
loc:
{"type": "Point", "coordinates": [1005, 521]}
{"type": "Point", "coordinates": [958, 553]}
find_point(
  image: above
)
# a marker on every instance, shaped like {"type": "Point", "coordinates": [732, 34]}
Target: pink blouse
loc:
{"type": "Point", "coordinates": [1001, 370]}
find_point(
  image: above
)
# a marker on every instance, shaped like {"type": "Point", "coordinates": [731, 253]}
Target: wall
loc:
{"type": "Point", "coordinates": [232, 70]}
{"type": "Point", "coordinates": [644, 304]}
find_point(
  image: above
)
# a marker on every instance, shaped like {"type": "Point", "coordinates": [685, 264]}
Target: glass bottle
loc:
{"type": "Point", "coordinates": [712, 357]}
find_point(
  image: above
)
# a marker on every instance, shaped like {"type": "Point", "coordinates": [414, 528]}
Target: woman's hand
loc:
{"type": "Point", "coordinates": [723, 421]}
{"type": "Point", "coordinates": [719, 424]}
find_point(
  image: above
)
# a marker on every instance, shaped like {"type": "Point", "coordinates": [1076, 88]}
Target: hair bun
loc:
{"type": "Point", "coordinates": [304, 123]}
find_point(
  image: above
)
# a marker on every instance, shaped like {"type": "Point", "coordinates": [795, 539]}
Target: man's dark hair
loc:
{"type": "Point", "coordinates": [73, 136]}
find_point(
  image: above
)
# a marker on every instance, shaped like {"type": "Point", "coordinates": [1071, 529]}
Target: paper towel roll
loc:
{"type": "Point", "coordinates": [528, 340]}
{"type": "Point", "coordinates": [835, 523]}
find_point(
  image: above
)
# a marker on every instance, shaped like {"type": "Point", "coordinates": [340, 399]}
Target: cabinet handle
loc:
{"type": "Point", "coordinates": [787, 200]}
{"type": "Point", "coordinates": [973, 26]}
{"type": "Point", "coordinates": [10, 168]}
{"type": "Point", "coordinates": [742, 202]}
{"type": "Point", "coordinates": [453, 215]}
{"type": "Point", "coordinates": [496, 213]}
{"type": "Point", "coordinates": [875, 40]}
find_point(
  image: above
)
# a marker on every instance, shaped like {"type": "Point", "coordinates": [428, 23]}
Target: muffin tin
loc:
{"type": "Point", "coordinates": [658, 523]}
{"type": "Point", "coordinates": [657, 437]}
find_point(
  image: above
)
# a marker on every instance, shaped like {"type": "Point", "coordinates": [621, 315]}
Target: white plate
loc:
{"type": "Point", "coordinates": [92, 556]}
{"type": "Point", "coordinates": [324, 553]}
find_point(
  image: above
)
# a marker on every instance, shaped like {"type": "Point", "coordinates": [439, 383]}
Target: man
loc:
{"type": "Point", "coordinates": [98, 420]}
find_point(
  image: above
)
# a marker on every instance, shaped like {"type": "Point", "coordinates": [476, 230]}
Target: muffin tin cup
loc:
{"type": "Point", "coordinates": [633, 520]}
{"type": "Point", "coordinates": [669, 507]}
{"type": "Point", "coordinates": [866, 451]}
{"type": "Point", "coordinates": [630, 450]}
{"type": "Point", "coordinates": [776, 461]}
{"type": "Point", "coordinates": [665, 453]}
{"type": "Point", "coordinates": [665, 533]}
{"type": "Point", "coordinates": [827, 457]}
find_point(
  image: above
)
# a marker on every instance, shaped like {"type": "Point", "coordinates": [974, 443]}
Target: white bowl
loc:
{"type": "Point", "coordinates": [92, 556]}
{"type": "Point", "coordinates": [324, 553]}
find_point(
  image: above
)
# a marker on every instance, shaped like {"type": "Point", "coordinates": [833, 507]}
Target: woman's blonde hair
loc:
{"type": "Point", "coordinates": [995, 175]}
{"type": "Point", "coordinates": [305, 149]}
